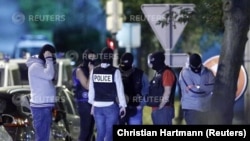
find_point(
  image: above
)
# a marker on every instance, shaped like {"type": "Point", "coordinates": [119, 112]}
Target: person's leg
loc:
{"type": "Point", "coordinates": [163, 116]}
{"type": "Point", "coordinates": [91, 125]}
{"type": "Point", "coordinates": [192, 117]}
{"type": "Point", "coordinates": [42, 120]}
{"type": "Point", "coordinates": [158, 116]}
{"type": "Point", "coordinates": [137, 118]}
{"type": "Point", "coordinates": [92, 136]}
{"type": "Point", "coordinates": [169, 114]}
{"type": "Point", "coordinates": [204, 117]}
{"type": "Point", "coordinates": [154, 117]}
{"type": "Point", "coordinates": [86, 121]}
{"type": "Point", "coordinates": [100, 118]}
{"type": "Point", "coordinates": [112, 115]}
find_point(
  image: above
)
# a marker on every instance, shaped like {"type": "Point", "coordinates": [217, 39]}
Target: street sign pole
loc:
{"type": "Point", "coordinates": [170, 28]}
{"type": "Point", "coordinates": [168, 34]}
{"type": "Point", "coordinates": [168, 51]}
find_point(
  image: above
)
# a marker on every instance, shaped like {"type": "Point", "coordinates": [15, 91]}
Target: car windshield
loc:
{"type": "Point", "coordinates": [23, 52]}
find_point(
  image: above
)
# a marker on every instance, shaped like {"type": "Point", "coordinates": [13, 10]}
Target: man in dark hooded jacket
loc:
{"type": "Point", "coordinates": [136, 85]}
{"type": "Point", "coordinates": [161, 90]}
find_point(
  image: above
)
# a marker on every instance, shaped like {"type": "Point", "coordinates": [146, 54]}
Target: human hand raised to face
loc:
{"type": "Point", "coordinates": [91, 66]}
{"type": "Point", "coordinates": [47, 54]}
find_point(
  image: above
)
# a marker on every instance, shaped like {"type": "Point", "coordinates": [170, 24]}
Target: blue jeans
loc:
{"type": "Point", "coordinates": [105, 118]}
{"type": "Point", "coordinates": [193, 117]}
{"type": "Point", "coordinates": [42, 120]}
{"type": "Point", "coordinates": [134, 119]}
{"type": "Point", "coordinates": [86, 121]}
{"type": "Point", "coordinates": [163, 116]}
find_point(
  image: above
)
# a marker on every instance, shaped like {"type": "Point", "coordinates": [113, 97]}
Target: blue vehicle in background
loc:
{"type": "Point", "coordinates": [29, 45]}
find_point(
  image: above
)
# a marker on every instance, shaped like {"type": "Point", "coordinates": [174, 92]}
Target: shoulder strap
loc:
{"type": "Point", "coordinates": [183, 79]}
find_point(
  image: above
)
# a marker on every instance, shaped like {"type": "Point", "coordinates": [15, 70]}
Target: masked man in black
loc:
{"type": "Point", "coordinates": [161, 90]}
{"type": "Point", "coordinates": [136, 85]}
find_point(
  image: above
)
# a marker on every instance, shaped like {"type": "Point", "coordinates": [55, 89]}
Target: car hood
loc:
{"type": "Point", "coordinates": [4, 134]}
{"type": "Point", "coordinates": [33, 59]}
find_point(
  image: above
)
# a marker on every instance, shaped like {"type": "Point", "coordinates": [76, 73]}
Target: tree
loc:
{"type": "Point", "coordinates": [204, 21]}
{"type": "Point", "coordinates": [229, 17]}
{"type": "Point", "coordinates": [236, 17]}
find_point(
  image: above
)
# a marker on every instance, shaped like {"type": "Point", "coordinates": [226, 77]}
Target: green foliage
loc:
{"type": "Point", "coordinates": [207, 18]}
{"type": "Point", "coordinates": [172, 17]}
{"type": "Point", "coordinates": [69, 32]}
{"type": "Point", "coordinates": [37, 13]}
{"type": "Point", "coordinates": [73, 36]}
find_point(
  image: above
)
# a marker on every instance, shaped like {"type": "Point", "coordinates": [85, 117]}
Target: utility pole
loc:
{"type": "Point", "coordinates": [114, 11]}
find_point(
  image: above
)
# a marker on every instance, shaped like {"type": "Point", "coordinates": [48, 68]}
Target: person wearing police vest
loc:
{"type": "Point", "coordinates": [135, 84]}
{"type": "Point", "coordinates": [161, 90]}
{"type": "Point", "coordinates": [105, 88]}
{"type": "Point", "coordinates": [80, 89]}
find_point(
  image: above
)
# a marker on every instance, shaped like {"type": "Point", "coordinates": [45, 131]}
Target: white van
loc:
{"type": "Point", "coordinates": [17, 73]}
{"type": "Point", "coordinates": [9, 74]}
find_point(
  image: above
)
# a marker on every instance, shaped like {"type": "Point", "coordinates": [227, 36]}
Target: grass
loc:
{"type": "Point", "coordinates": [147, 115]}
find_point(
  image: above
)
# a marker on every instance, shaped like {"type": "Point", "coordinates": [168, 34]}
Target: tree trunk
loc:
{"type": "Point", "coordinates": [236, 23]}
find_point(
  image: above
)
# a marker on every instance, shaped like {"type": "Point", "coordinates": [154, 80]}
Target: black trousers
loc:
{"type": "Point", "coordinates": [86, 121]}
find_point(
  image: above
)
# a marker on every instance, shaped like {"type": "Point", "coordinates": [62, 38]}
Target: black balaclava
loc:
{"type": "Point", "coordinates": [45, 48]}
{"type": "Point", "coordinates": [195, 63]}
{"type": "Point", "coordinates": [107, 55]}
{"type": "Point", "coordinates": [157, 60]}
{"type": "Point", "coordinates": [126, 61]}
{"type": "Point", "coordinates": [85, 57]}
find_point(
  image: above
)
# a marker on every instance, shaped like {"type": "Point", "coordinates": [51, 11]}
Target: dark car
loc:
{"type": "Point", "coordinates": [66, 123]}
{"type": "Point", "coordinates": [5, 119]}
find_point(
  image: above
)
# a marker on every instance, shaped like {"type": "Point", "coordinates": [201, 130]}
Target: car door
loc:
{"type": "Point", "coordinates": [72, 117]}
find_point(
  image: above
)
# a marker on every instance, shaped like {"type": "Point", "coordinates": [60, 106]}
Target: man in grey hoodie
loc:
{"type": "Point", "coordinates": [41, 73]}
{"type": "Point", "coordinates": [196, 82]}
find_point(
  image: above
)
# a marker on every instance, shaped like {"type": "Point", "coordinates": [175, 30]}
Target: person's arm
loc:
{"type": "Point", "coordinates": [168, 80]}
{"type": "Point", "coordinates": [120, 93]}
{"type": "Point", "coordinates": [47, 72]}
{"type": "Point", "coordinates": [187, 83]}
{"type": "Point", "coordinates": [82, 78]}
{"type": "Point", "coordinates": [208, 82]}
{"type": "Point", "coordinates": [120, 89]}
{"type": "Point", "coordinates": [91, 93]}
